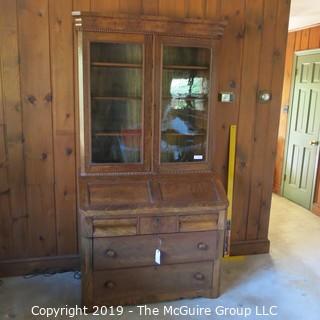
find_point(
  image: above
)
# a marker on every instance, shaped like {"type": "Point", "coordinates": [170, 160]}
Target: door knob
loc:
{"type": "Point", "coordinates": [314, 143]}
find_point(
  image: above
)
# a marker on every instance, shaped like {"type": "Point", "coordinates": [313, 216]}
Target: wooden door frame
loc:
{"type": "Point", "coordinates": [297, 54]}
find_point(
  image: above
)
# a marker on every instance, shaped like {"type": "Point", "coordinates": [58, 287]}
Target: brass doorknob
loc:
{"type": "Point", "coordinates": [110, 253]}
{"type": "Point", "coordinates": [202, 246]}
{"type": "Point", "coordinates": [199, 276]}
{"type": "Point", "coordinates": [109, 285]}
{"type": "Point", "coordinates": [314, 143]}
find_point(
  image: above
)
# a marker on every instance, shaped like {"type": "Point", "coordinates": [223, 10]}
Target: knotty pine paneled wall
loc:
{"type": "Point", "coordinates": [37, 135]}
{"type": "Point", "coordinates": [305, 39]}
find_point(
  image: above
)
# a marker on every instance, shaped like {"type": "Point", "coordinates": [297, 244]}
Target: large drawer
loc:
{"type": "Point", "coordinates": [122, 252]}
{"type": "Point", "coordinates": [149, 281]}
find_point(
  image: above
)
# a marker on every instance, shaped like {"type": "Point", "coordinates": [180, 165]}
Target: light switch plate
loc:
{"type": "Point", "coordinates": [226, 97]}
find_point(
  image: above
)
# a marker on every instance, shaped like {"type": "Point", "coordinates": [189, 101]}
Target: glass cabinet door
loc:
{"type": "Point", "coordinates": [116, 108]}
{"type": "Point", "coordinates": [184, 104]}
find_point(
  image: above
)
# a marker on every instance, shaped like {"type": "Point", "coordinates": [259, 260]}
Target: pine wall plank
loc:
{"type": "Point", "coordinates": [37, 125]}
{"type": "Point", "coordinates": [81, 5]}
{"type": "Point", "coordinates": [61, 45]}
{"type": "Point", "coordinates": [12, 117]}
{"type": "Point", "coordinates": [229, 69]}
{"type": "Point", "coordinates": [39, 212]}
{"type": "Point", "coordinates": [262, 118]}
{"type": "Point", "coordinates": [246, 120]}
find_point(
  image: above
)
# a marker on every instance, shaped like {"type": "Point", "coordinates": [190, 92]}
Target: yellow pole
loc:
{"type": "Point", "coordinates": [231, 168]}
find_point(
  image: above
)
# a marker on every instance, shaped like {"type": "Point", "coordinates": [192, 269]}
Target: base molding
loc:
{"type": "Point", "coordinates": [10, 268]}
{"type": "Point", "coordinates": [243, 248]}
{"type": "Point", "coordinates": [316, 209]}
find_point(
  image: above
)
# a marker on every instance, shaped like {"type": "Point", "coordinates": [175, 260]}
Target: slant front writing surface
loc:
{"type": "Point", "coordinates": [184, 112]}
{"type": "Point", "coordinates": [116, 100]}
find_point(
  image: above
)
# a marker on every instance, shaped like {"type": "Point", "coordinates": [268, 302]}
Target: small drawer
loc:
{"type": "Point", "coordinates": [198, 222]}
{"type": "Point", "coordinates": [114, 227]}
{"type": "Point", "coordinates": [182, 278]}
{"type": "Point", "coordinates": [124, 252]}
{"type": "Point", "coordinates": [151, 225]}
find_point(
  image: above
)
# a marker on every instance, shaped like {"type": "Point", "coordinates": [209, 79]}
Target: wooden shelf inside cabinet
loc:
{"type": "Point", "coordinates": [178, 67]}
{"type": "Point", "coordinates": [116, 98]}
{"type": "Point", "coordinates": [118, 134]}
{"type": "Point", "coordinates": [183, 134]}
{"type": "Point", "coordinates": [116, 65]}
{"type": "Point", "coordinates": [186, 98]}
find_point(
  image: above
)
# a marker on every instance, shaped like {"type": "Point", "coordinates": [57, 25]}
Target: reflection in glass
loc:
{"type": "Point", "coordinates": [116, 52]}
{"type": "Point", "coordinates": [115, 149]}
{"type": "Point", "coordinates": [116, 90]}
{"type": "Point", "coordinates": [184, 116]}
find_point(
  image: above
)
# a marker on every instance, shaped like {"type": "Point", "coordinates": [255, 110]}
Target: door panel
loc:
{"type": "Point", "coordinates": [304, 128]}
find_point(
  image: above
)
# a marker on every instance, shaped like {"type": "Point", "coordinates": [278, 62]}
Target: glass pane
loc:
{"type": "Point", "coordinates": [116, 149]}
{"type": "Point", "coordinates": [116, 90]}
{"type": "Point", "coordinates": [115, 115]}
{"type": "Point", "coordinates": [115, 82]}
{"type": "Point", "coordinates": [116, 52]}
{"type": "Point", "coordinates": [186, 56]}
{"type": "Point", "coordinates": [184, 116]}
{"type": "Point", "coordinates": [185, 84]}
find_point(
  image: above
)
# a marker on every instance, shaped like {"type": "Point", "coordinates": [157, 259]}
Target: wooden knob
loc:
{"type": "Point", "coordinates": [110, 253]}
{"type": "Point", "coordinates": [109, 285]}
{"type": "Point", "coordinates": [199, 276]}
{"type": "Point", "coordinates": [202, 246]}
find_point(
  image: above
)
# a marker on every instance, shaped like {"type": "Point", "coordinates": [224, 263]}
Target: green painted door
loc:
{"type": "Point", "coordinates": [304, 129]}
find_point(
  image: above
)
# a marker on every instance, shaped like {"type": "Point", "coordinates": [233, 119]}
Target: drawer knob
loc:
{"type": "Point", "coordinates": [110, 253]}
{"type": "Point", "coordinates": [199, 276]}
{"type": "Point", "coordinates": [109, 285]}
{"type": "Point", "coordinates": [202, 246]}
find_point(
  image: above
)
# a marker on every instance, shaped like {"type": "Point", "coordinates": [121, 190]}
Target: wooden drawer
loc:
{"type": "Point", "coordinates": [114, 227]}
{"type": "Point", "coordinates": [115, 284]}
{"type": "Point", "coordinates": [151, 225]}
{"type": "Point", "coordinates": [122, 252]}
{"type": "Point", "coordinates": [202, 222]}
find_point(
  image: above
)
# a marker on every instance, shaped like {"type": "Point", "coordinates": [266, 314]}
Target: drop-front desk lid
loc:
{"type": "Point", "coordinates": [154, 193]}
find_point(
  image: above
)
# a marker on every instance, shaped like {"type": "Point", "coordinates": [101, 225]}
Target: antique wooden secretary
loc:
{"type": "Point", "coordinates": [152, 211]}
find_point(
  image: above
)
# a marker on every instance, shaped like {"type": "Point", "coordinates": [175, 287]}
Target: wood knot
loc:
{"type": "Point", "coordinates": [59, 21]}
{"type": "Point", "coordinates": [243, 164]}
{"type": "Point", "coordinates": [232, 84]}
{"type": "Point", "coordinates": [44, 156]}
{"type": "Point", "coordinates": [40, 14]}
{"type": "Point", "coordinates": [32, 99]}
{"type": "Point", "coordinates": [41, 238]}
{"type": "Point", "coordinates": [65, 193]}
{"type": "Point", "coordinates": [260, 26]}
{"type": "Point", "coordinates": [68, 115]}
{"type": "Point", "coordinates": [48, 97]}
{"type": "Point", "coordinates": [18, 107]}
{"type": "Point", "coordinates": [240, 34]}
{"type": "Point", "coordinates": [277, 53]}
{"type": "Point", "coordinates": [68, 151]}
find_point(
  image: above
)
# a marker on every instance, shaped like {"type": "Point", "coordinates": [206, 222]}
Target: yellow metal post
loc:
{"type": "Point", "coordinates": [231, 168]}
